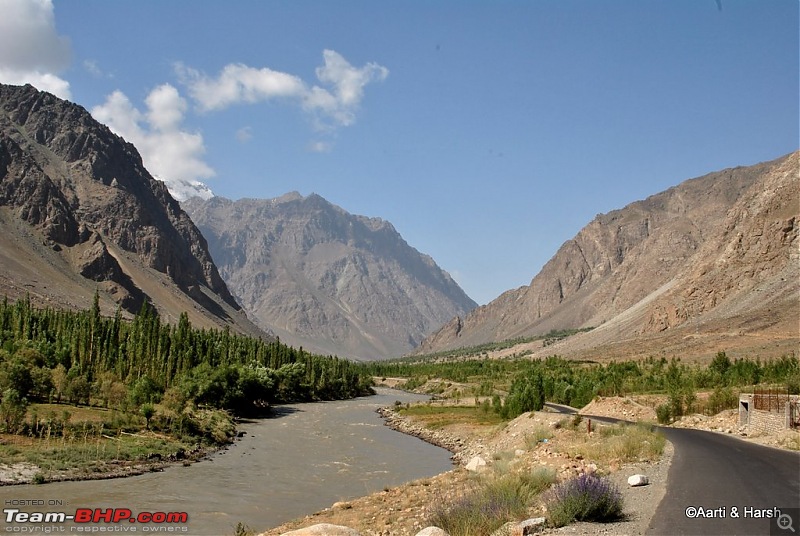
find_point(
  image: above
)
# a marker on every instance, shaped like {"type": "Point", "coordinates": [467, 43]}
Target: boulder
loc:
{"type": "Point", "coordinates": [532, 525]}
{"type": "Point", "coordinates": [476, 464]}
{"type": "Point", "coordinates": [638, 480]}
{"type": "Point", "coordinates": [432, 531]}
{"type": "Point", "coordinates": [323, 529]}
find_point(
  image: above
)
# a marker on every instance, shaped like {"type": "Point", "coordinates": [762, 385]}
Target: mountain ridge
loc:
{"type": "Point", "coordinates": [623, 260]}
{"type": "Point", "coordinates": [326, 279]}
{"type": "Point", "coordinates": [101, 217]}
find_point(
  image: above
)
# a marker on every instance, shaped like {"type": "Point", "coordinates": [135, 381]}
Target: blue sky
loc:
{"type": "Point", "coordinates": [488, 133]}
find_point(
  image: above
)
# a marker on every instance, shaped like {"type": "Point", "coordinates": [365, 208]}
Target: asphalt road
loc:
{"type": "Point", "coordinates": [719, 484]}
{"type": "Point", "coordinates": [726, 477]}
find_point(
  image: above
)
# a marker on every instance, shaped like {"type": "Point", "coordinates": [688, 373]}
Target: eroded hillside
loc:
{"type": "Point", "coordinates": [707, 265]}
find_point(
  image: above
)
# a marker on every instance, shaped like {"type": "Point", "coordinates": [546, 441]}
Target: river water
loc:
{"type": "Point", "coordinates": [301, 461]}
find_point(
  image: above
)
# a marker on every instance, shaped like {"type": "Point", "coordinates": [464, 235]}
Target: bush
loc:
{"type": "Point", "coordinates": [486, 507]}
{"type": "Point", "coordinates": [721, 399]}
{"type": "Point", "coordinates": [664, 414]}
{"type": "Point", "coordinates": [584, 498]}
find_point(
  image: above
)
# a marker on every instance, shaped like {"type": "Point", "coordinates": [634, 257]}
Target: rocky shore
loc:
{"type": "Point", "coordinates": [459, 446]}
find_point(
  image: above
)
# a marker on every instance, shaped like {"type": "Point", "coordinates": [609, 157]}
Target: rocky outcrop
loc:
{"type": "Point", "coordinates": [324, 279]}
{"type": "Point", "coordinates": [86, 192]}
{"type": "Point", "coordinates": [657, 264]}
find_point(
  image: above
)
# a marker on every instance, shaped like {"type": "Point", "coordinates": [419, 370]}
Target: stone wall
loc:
{"type": "Point", "coordinates": [761, 421]}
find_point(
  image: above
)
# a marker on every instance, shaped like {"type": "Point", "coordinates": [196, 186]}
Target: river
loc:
{"type": "Point", "coordinates": [301, 461]}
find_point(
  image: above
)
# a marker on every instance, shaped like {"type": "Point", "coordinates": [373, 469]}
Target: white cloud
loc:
{"type": "Point", "coordinates": [331, 107]}
{"type": "Point", "coordinates": [244, 134]}
{"type": "Point", "coordinates": [31, 51]}
{"type": "Point", "coordinates": [238, 83]}
{"type": "Point", "coordinates": [165, 108]}
{"type": "Point", "coordinates": [348, 84]}
{"type": "Point", "coordinates": [170, 153]}
{"type": "Point", "coordinates": [93, 69]}
{"type": "Point", "coordinates": [320, 147]}
{"type": "Point", "coordinates": [41, 81]}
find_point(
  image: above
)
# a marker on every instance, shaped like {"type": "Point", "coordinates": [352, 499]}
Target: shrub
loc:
{"type": "Point", "coordinates": [664, 414]}
{"type": "Point", "coordinates": [242, 530]}
{"type": "Point", "coordinates": [584, 498]}
{"type": "Point", "coordinates": [721, 399]}
{"type": "Point", "coordinates": [486, 507]}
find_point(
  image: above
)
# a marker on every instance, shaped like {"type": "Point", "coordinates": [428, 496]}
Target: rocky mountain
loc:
{"type": "Point", "coordinates": [79, 213]}
{"type": "Point", "coordinates": [706, 265]}
{"type": "Point", "coordinates": [325, 279]}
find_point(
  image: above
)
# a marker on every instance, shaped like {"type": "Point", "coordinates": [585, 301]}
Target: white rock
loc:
{"type": "Point", "coordinates": [433, 531]}
{"type": "Point", "coordinates": [476, 464]}
{"type": "Point", "coordinates": [519, 452]}
{"type": "Point", "coordinates": [638, 480]}
{"type": "Point", "coordinates": [534, 524]}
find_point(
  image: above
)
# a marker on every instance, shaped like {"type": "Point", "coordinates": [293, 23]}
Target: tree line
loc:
{"type": "Point", "coordinates": [527, 383]}
{"type": "Point", "coordinates": [82, 357]}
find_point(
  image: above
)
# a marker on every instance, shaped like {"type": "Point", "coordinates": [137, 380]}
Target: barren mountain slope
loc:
{"type": "Point", "coordinates": [79, 212]}
{"type": "Point", "coordinates": [696, 252]}
{"type": "Point", "coordinates": [325, 279]}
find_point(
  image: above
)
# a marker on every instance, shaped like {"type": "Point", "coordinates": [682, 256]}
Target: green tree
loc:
{"type": "Point", "coordinates": [144, 390]}
{"type": "Point", "coordinates": [13, 409]}
{"type": "Point", "coordinates": [79, 390]}
{"type": "Point", "coordinates": [60, 381]}
{"type": "Point", "coordinates": [526, 394]}
{"type": "Point", "coordinates": [147, 411]}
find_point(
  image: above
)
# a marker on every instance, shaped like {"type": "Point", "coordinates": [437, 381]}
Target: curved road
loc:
{"type": "Point", "coordinates": [726, 477]}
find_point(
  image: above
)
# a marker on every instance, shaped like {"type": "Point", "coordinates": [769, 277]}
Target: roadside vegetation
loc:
{"type": "Point", "coordinates": [488, 502]}
{"type": "Point", "coordinates": [79, 389]}
{"type": "Point", "coordinates": [513, 386]}
{"type": "Point", "coordinates": [614, 444]}
{"type": "Point", "coordinates": [586, 497]}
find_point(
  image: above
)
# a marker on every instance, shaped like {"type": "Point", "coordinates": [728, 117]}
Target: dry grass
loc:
{"type": "Point", "coordinates": [610, 445]}
{"type": "Point", "coordinates": [436, 417]}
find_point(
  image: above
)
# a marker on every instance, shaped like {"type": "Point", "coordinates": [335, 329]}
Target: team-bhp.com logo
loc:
{"type": "Point", "coordinates": [95, 515]}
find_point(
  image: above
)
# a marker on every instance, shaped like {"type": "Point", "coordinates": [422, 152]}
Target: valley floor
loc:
{"type": "Point", "coordinates": [529, 441]}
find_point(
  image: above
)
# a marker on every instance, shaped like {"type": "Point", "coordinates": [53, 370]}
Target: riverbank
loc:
{"type": "Point", "coordinates": [533, 440]}
{"type": "Point", "coordinates": [55, 466]}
